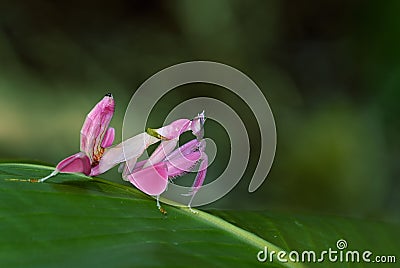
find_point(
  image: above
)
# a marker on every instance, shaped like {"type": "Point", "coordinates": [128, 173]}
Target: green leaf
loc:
{"type": "Point", "coordinates": [77, 221]}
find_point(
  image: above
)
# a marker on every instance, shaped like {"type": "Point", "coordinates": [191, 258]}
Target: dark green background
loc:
{"type": "Point", "coordinates": [330, 71]}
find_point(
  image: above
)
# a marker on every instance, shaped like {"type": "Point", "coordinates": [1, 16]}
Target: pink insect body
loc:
{"type": "Point", "coordinates": [151, 176]}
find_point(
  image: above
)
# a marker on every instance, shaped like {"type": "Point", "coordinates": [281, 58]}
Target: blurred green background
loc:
{"type": "Point", "coordinates": [330, 71]}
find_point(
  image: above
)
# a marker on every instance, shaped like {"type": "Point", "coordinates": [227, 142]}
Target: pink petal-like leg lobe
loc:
{"type": "Point", "coordinates": [183, 159]}
{"type": "Point", "coordinates": [152, 180]}
{"type": "Point", "coordinates": [180, 161]}
{"type": "Point", "coordinates": [108, 138]}
{"type": "Point", "coordinates": [78, 162]}
{"type": "Point", "coordinates": [184, 149]}
{"type": "Point", "coordinates": [178, 166]}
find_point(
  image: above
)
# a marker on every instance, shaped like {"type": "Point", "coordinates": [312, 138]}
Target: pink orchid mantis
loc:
{"type": "Point", "coordinates": [151, 176]}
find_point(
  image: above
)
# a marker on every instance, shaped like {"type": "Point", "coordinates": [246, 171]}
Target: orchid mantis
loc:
{"type": "Point", "coordinates": [151, 176]}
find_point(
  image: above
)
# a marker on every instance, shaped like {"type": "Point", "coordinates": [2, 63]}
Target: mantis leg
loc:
{"type": "Point", "coordinates": [199, 180]}
{"type": "Point", "coordinates": [78, 162]}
